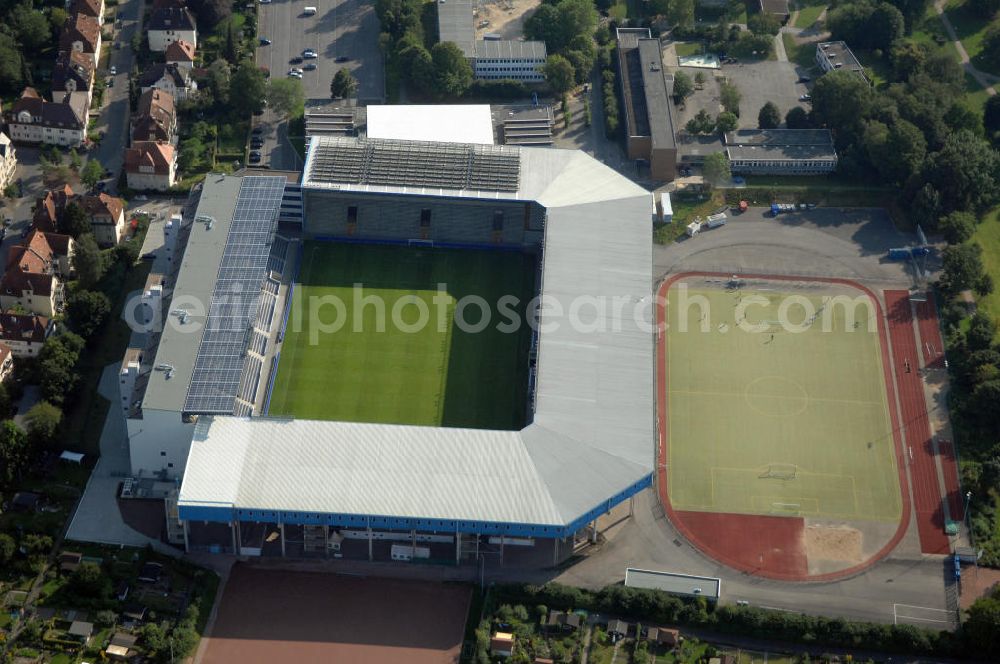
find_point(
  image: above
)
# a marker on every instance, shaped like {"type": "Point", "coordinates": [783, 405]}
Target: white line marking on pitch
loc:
{"type": "Point", "coordinates": [896, 615]}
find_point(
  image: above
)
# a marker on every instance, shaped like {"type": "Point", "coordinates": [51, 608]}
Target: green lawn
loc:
{"type": "Point", "coordinates": [809, 11]}
{"type": "Point", "coordinates": [988, 237]}
{"type": "Point", "coordinates": [434, 374]}
{"type": "Point", "coordinates": [804, 55]}
{"type": "Point", "coordinates": [688, 48]}
{"type": "Point", "coordinates": [773, 420]}
{"type": "Point", "coordinates": [970, 30]}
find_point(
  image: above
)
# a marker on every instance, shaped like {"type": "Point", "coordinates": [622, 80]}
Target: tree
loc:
{"type": "Point", "coordinates": [14, 453]}
{"type": "Point", "coordinates": [683, 87]}
{"type": "Point", "coordinates": [962, 266]}
{"type": "Point", "coordinates": [981, 628]}
{"type": "Point", "coordinates": [797, 118]}
{"type": "Point", "coordinates": [31, 27]}
{"type": "Point", "coordinates": [559, 73]}
{"type": "Point", "coordinates": [699, 78]}
{"type": "Point", "coordinates": [730, 97]}
{"type": "Point", "coordinates": [11, 65]}
{"type": "Point", "coordinates": [701, 123]}
{"type": "Point", "coordinates": [716, 168]}
{"type": "Point", "coordinates": [92, 173]}
{"type": "Point", "coordinates": [983, 8]}
{"type": "Point", "coordinates": [285, 96]}
{"type": "Point", "coordinates": [907, 58]}
{"type": "Point", "coordinates": [210, 12]}
{"type": "Point", "coordinates": [560, 24]}
{"type": "Point", "coordinates": [991, 44]}
{"type": "Point", "coordinates": [840, 100]}
{"type": "Point", "coordinates": [680, 13]}
{"type": "Point", "coordinates": [726, 122]}
{"type": "Point", "coordinates": [452, 71]}
{"type": "Point", "coordinates": [88, 263]}
{"type": "Point", "coordinates": [74, 159]}
{"type": "Point", "coordinates": [885, 27]}
{"type": "Point", "coordinates": [42, 423]}
{"type": "Point", "coordinates": [88, 580]}
{"type": "Point", "coordinates": [74, 221]}
{"type": "Point", "coordinates": [957, 227]}
{"type": "Point", "coordinates": [991, 115]}
{"type": "Point", "coordinates": [7, 548]}
{"type": "Point", "coordinates": [764, 24]}
{"type": "Point", "coordinates": [582, 54]}
{"type": "Point", "coordinates": [217, 82]}
{"type": "Point", "coordinates": [88, 311]}
{"type": "Point", "coordinates": [57, 18]}
{"type": "Point", "coordinates": [248, 88]}
{"type": "Point", "coordinates": [343, 85]}
{"type": "Point", "coordinates": [56, 369]}
{"type": "Point", "coordinates": [965, 172]}
{"type": "Point", "coordinates": [769, 116]}
{"type": "Point", "coordinates": [543, 26]}
{"type": "Point", "coordinates": [897, 152]}
{"type": "Point", "coordinates": [960, 116]}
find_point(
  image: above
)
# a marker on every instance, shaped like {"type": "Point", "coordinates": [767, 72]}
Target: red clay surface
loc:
{"type": "Point", "coordinates": [269, 616]}
{"type": "Point", "coordinates": [923, 470]}
{"type": "Point", "coordinates": [930, 333]}
{"type": "Point", "coordinates": [734, 530]}
{"type": "Point", "coordinates": [746, 541]}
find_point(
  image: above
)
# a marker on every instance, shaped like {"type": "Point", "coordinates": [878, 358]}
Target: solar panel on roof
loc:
{"type": "Point", "coordinates": [221, 360]}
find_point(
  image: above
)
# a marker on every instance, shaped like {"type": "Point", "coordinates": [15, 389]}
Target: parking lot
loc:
{"type": "Point", "coordinates": [758, 83]}
{"type": "Point", "coordinates": [339, 29]}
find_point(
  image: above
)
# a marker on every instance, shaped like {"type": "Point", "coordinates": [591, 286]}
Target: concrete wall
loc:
{"type": "Point", "coordinates": [638, 147]}
{"type": "Point", "coordinates": [663, 164]}
{"type": "Point", "coordinates": [159, 441]}
{"type": "Point", "coordinates": [381, 217]}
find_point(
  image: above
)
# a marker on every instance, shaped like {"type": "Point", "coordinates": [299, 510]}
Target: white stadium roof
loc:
{"type": "Point", "coordinates": [445, 123]}
{"type": "Point", "coordinates": [592, 439]}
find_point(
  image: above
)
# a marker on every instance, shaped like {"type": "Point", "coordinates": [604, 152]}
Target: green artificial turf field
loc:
{"type": "Point", "coordinates": [777, 422]}
{"type": "Point", "coordinates": [437, 375]}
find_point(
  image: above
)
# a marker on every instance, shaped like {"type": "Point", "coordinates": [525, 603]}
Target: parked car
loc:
{"type": "Point", "coordinates": [311, 66]}
{"type": "Point", "coordinates": [264, 41]}
{"type": "Point", "coordinates": [309, 53]}
{"type": "Point", "coordinates": [265, 2]}
{"type": "Point", "coordinates": [805, 98]}
{"type": "Point", "coordinates": [257, 131]}
{"type": "Point", "coordinates": [113, 71]}
{"type": "Point", "coordinates": [256, 142]}
{"type": "Point", "coordinates": [3, 234]}
{"type": "Point", "coordinates": [341, 58]}
{"type": "Point", "coordinates": [295, 73]}
{"type": "Point", "coordinates": [804, 79]}
{"type": "Point", "coordinates": [297, 60]}
{"type": "Point", "coordinates": [254, 158]}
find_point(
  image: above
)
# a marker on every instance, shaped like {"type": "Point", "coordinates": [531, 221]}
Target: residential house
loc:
{"type": "Point", "coordinates": [181, 53]}
{"type": "Point", "coordinates": [32, 280]}
{"type": "Point", "coordinates": [25, 334]}
{"type": "Point", "coordinates": [617, 629]}
{"type": "Point", "coordinates": [121, 644]}
{"type": "Point", "coordinates": [63, 122]}
{"type": "Point", "coordinates": [155, 119]}
{"type": "Point", "coordinates": [664, 636]}
{"type": "Point", "coordinates": [169, 24]}
{"type": "Point", "coordinates": [170, 78]}
{"type": "Point", "coordinates": [564, 621]}
{"type": "Point", "coordinates": [73, 72]}
{"type": "Point", "coordinates": [69, 561]}
{"type": "Point", "coordinates": [49, 209]}
{"type": "Point", "coordinates": [502, 644]}
{"type": "Point", "coordinates": [81, 33]}
{"type": "Point", "coordinates": [8, 161]}
{"type": "Point", "coordinates": [6, 361]}
{"type": "Point", "coordinates": [151, 165]}
{"type": "Point", "coordinates": [107, 217]}
{"type": "Point", "coordinates": [81, 631]}
{"type": "Point", "coordinates": [92, 8]}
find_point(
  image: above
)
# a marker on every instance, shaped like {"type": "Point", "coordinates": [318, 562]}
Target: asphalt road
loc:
{"type": "Point", "coordinates": [115, 115]}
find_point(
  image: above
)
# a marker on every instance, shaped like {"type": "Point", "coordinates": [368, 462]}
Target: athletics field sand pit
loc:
{"type": "Point", "coordinates": [774, 404]}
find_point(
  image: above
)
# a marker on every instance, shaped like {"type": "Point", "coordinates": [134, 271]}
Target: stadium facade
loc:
{"type": "Point", "coordinates": [196, 403]}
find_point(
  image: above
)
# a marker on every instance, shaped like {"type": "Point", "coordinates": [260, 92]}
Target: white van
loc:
{"type": "Point", "coordinates": [309, 11]}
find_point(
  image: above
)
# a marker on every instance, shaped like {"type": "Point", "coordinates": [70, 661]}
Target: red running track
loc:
{"type": "Point", "coordinates": [927, 498]}
{"type": "Point", "coordinates": [949, 465]}
{"type": "Point", "coordinates": [930, 333]}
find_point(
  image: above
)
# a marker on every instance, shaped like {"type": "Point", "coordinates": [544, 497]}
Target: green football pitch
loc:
{"type": "Point", "coordinates": [336, 364]}
{"type": "Point", "coordinates": [773, 421]}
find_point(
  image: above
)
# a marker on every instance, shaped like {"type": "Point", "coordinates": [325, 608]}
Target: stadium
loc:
{"type": "Point", "coordinates": [290, 435]}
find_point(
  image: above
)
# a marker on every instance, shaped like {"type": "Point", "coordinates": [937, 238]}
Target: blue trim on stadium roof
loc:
{"type": "Point", "coordinates": [226, 514]}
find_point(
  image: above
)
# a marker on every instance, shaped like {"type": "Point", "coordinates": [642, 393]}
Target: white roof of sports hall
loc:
{"type": "Point", "coordinates": [592, 438]}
